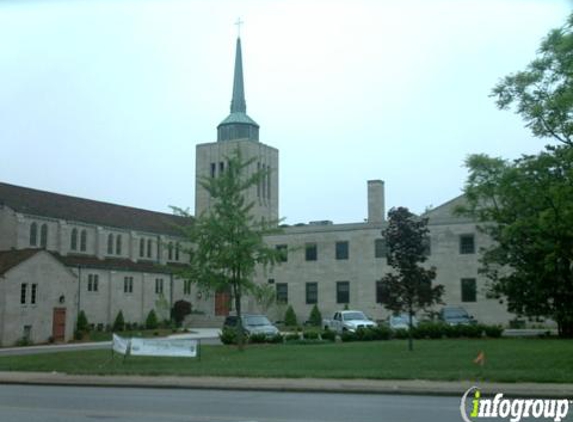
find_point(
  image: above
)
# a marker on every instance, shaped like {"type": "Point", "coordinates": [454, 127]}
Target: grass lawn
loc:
{"type": "Point", "coordinates": [507, 360]}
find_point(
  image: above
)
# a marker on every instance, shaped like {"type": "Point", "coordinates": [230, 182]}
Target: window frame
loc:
{"type": "Point", "coordinates": [341, 293]}
{"type": "Point", "coordinates": [468, 296]}
{"type": "Point", "coordinates": [342, 250]}
{"type": "Point", "coordinates": [311, 293]}
{"type": "Point", "coordinates": [311, 251]}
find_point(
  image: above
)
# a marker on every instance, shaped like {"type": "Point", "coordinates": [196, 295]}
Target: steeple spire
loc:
{"type": "Point", "coordinates": [237, 125]}
{"type": "Point", "coordinates": [238, 104]}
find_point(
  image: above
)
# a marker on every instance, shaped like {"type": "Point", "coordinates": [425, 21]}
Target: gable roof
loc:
{"type": "Point", "coordinates": [10, 259]}
{"type": "Point", "coordinates": [117, 264]}
{"type": "Point", "coordinates": [70, 208]}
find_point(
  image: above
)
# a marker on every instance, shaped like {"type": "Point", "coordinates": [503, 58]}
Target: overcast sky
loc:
{"type": "Point", "coordinates": [107, 99]}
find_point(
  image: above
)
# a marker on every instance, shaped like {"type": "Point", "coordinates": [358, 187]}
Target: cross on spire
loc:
{"type": "Point", "coordinates": [239, 23]}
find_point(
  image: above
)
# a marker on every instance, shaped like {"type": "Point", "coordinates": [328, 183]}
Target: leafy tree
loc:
{"type": "Point", "coordinates": [228, 242]}
{"type": "Point", "coordinates": [408, 288]}
{"type": "Point", "coordinates": [543, 93]}
{"type": "Point", "coordinates": [526, 207]}
{"type": "Point", "coordinates": [265, 295]}
{"type": "Point", "coordinates": [82, 324]}
{"type": "Point", "coordinates": [119, 323]}
{"type": "Point", "coordinates": [290, 317]}
{"type": "Point", "coordinates": [180, 310]}
{"type": "Point", "coordinates": [315, 317]}
{"type": "Point", "coordinates": [151, 323]}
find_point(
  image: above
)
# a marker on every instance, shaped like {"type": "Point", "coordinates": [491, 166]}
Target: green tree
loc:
{"type": "Point", "coordinates": [265, 295]}
{"type": "Point", "coordinates": [228, 244]}
{"type": "Point", "coordinates": [526, 207]}
{"type": "Point", "coordinates": [408, 288]}
{"type": "Point", "coordinates": [315, 317]}
{"type": "Point", "coordinates": [82, 324]}
{"type": "Point", "coordinates": [119, 323]}
{"type": "Point", "coordinates": [151, 323]}
{"type": "Point", "coordinates": [290, 317]}
{"type": "Point", "coordinates": [543, 92]}
{"type": "Point", "coordinates": [180, 310]}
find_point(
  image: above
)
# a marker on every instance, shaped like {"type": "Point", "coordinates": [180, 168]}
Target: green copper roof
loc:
{"type": "Point", "coordinates": [238, 125]}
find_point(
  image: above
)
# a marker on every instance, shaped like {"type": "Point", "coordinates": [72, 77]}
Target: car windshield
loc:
{"type": "Point", "coordinates": [257, 321]}
{"type": "Point", "coordinates": [351, 316]}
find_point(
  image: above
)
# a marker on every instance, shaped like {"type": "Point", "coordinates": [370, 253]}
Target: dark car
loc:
{"type": "Point", "coordinates": [252, 324]}
{"type": "Point", "coordinates": [456, 315]}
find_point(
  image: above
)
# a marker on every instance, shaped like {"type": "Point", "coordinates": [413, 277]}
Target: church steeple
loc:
{"type": "Point", "coordinates": [238, 125]}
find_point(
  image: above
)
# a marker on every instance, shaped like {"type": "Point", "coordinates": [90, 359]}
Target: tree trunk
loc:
{"type": "Point", "coordinates": [240, 332]}
{"type": "Point", "coordinates": [410, 331]}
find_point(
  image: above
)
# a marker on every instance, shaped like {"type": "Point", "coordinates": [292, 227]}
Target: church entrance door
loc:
{"type": "Point", "coordinates": [59, 324]}
{"type": "Point", "coordinates": [222, 303]}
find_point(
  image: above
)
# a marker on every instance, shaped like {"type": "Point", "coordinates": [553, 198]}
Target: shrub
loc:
{"type": "Point", "coordinates": [151, 322]}
{"type": "Point", "coordinates": [400, 333]}
{"type": "Point", "coordinates": [292, 337]}
{"type": "Point", "coordinates": [228, 336]}
{"type": "Point", "coordinates": [290, 317]}
{"type": "Point", "coordinates": [429, 329]}
{"type": "Point", "coordinates": [276, 339]}
{"type": "Point", "coordinates": [347, 336]}
{"type": "Point", "coordinates": [453, 331]}
{"type": "Point", "coordinates": [119, 323]}
{"type": "Point", "coordinates": [180, 310]}
{"type": "Point", "coordinates": [328, 335]}
{"type": "Point", "coordinates": [381, 332]}
{"type": "Point", "coordinates": [22, 342]}
{"type": "Point", "coordinates": [493, 331]}
{"type": "Point", "coordinates": [82, 324]}
{"type": "Point", "coordinates": [471, 331]}
{"type": "Point", "coordinates": [315, 318]}
{"type": "Point", "coordinates": [310, 335]}
{"type": "Point", "coordinates": [257, 338]}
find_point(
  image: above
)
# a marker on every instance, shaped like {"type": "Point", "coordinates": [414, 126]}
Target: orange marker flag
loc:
{"type": "Point", "coordinates": [480, 359]}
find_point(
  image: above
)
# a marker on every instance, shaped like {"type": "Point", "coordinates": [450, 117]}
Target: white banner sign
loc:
{"type": "Point", "coordinates": [164, 347]}
{"type": "Point", "coordinates": [155, 347]}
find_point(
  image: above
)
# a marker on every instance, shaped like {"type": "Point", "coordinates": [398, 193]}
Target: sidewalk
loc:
{"type": "Point", "coordinates": [362, 386]}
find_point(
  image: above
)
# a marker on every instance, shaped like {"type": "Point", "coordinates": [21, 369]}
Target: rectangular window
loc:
{"type": "Point", "coordinates": [128, 284]}
{"type": "Point", "coordinates": [159, 286]}
{"type": "Point", "coordinates": [342, 250]}
{"type": "Point", "coordinates": [271, 281]}
{"type": "Point", "coordinates": [282, 293]}
{"type": "Point", "coordinates": [23, 291]}
{"type": "Point", "coordinates": [259, 184]}
{"type": "Point", "coordinates": [142, 247]}
{"type": "Point", "coordinates": [177, 251]}
{"type": "Point", "coordinates": [221, 167]}
{"type": "Point", "coordinates": [311, 252]}
{"type": "Point", "coordinates": [380, 292]}
{"type": "Point", "coordinates": [186, 287]}
{"type": "Point", "coordinates": [213, 169]}
{"type": "Point", "coordinates": [468, 289]}
{"type": "Point", "coordinates": [467, 244]}
{"type": "Point", "coordinates": [283, 252]}
{"type": "Point", "coordinates": [33, 294]}
{"type": "Point", "coordinates": [311, 293]}
{"type": "Point", "coordinates": [380, 249]}
{"type": "Point", "coordinates": [93, 281]}
{"type": "Point", "coordinates": [342, 292]}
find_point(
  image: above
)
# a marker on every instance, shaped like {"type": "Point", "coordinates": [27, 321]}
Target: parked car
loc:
{"type": "Point", "coordinates": [252, 324]}
{"type": "Point", "coordinates": [348, 321]}
{"type": "Point", "coordinates": [456, 315]}
{"type": "Point", "coordinates": [401, 321]}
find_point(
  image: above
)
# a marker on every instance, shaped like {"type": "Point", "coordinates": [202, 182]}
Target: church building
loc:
{"type": "Point", "coordinates": [60, 255]}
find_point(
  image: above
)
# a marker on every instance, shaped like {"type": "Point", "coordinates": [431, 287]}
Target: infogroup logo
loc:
{"type": "Point", "coordinates": [474, 407]}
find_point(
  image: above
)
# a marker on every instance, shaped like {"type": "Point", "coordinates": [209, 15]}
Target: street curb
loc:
{"type": "Point", "coordinates": [298, 385]}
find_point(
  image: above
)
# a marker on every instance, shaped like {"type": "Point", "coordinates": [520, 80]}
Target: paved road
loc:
{"type": "Point", "coordinates": [77, 404]}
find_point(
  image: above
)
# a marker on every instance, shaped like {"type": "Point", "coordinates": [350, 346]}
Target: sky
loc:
{"type": "Point", "coordinates": [107, 99]}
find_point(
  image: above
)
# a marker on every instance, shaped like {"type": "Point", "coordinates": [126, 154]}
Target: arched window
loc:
{"type": "Point", "coordinates": [170, 251]}
{"type": "Point", "coordinates": [118, 244]}
{"type": "Point", "coordinates": [83, 240]}
{"type": "Point", "coordinates": [142, 247]}
{"type": "Point", "coordinates": [44, 236]}
{"type": "Point", "coordinates": [33, 234]}
{"type": "Point", "coordinates": [110, 244]}
{"type": "Point", "coordinates": [149, 246]}
{"type": "Point", "coordinates": [74, 240]}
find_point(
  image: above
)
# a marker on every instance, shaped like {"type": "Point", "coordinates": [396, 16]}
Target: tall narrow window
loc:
{"type": "Point", "coordinates": [468, 289]}
{"type": "Point", "coordinates": [83, 240]}
{"type": "Point", "coordinates": [128, 284]}
{"type": "Point", "coordinates": [467, 244]}
{"type": "Point", "coordinates": [342, 250]}
{"type": "Point", "coordinates": [177, 247]}
{"type": "Point", "coordinates": [149, 246]}
{"type": "Point", "coordinates": [342, 292]}
{"type": "Point", "coordinates": [44, 236]}
{"type": "Point", "coordinates": [213, 169]}
{"type": "Point", "coordinates": [142, 247]}
{"type": "Point", "coordinates": [311, 293]}
{"type": "Point", "coordinates": [264, 181]}
{"type": "Point", "coordinates": [118, 244]}
{"type": "Point", "coordinates": [34, 234]}
{"type": "Point", "coordinates": [33, 294]}
{"type": "Point", "coordinates": [23, 291]}
{"type": "Point", "coordinates": [269, 182]}
{"type": "Point", "coordinates": [170, 251]}
{"type": "Point", "coordinates": [74, 240]}
{"type": "Point", "coordinates": [259, 184]}
{"type": "Point", "coordinates": [282, 292]}
{"type": "Point", "coordinates": [221, 167]}
{"type": "Point", "coordinates": [380, 292]}
{"type": "Point", "coordinates": [110, 244]}
{"type": "Point", "coordinates": [380, 249]}
{"type": "Point", "coordinates": [186, 287]}
{"type": "Point", "coordinates": [159, 286]}
{"type": "Point", "coordinates": [311, 252]}
{"type": "Point", "coordinates": [93, 281]}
